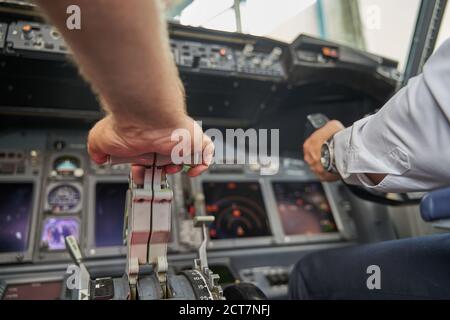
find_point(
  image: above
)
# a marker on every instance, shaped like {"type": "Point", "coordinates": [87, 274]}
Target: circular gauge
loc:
{"type": "Point", "coordinates": [64, 198]}
{"type": "Point", "coordinates": [67, 165]}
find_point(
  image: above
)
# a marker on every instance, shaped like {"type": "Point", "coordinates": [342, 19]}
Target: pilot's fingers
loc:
{"type": "Point", "coordinates": [207, 157]}
{"type": "Point", "coordinates": [208, 151]}
{"type": "Point", "coordinates": [96, 155]}
{"type": "Point", "coordinates": [197, 170]}
{"type": "Point", "coordinates": [323, 174]}
{"type": "Point", "coordinates": [138, 174]}
{"type": "Point", "coordinates": [329, 177]}
{"type": "Point", "coordinates": [93, 146]}
{"type": "Point", "coordinates": [317, 168]}
{"type": "Point", "coordinates": [173, 168]}
{"type": "Point", "coordinates": [311, 150]}
{"type": "Point", "coordinates": [307, 154]}
{"type": "Point", "coordinates": [312, 158]}
{"type": "Point", "coordinates": [328, 130]}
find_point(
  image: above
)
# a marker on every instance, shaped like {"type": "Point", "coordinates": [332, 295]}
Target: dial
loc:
{"type": "Point", "coordinates": [325, 158]}
{"type": "Point", "coordinates": [199, 284]}
{"type": "Point", "coordinates": [64, 198]}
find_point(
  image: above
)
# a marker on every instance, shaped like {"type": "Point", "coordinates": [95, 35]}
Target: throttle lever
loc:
{"type": "Point", "coordinates": [201, 222]}
{"type": "Point", "coordinates": [315, 122]}
{"type": "Point", "coordinates": [147, 159]}
{"type": "Point", "coordinates": [83, 285]}
{"type": "Point", "coordinates": [143, 159]}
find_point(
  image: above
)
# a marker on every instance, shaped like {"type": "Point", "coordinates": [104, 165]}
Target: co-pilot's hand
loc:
{"type": "Point", "coordinates": [312, 149]}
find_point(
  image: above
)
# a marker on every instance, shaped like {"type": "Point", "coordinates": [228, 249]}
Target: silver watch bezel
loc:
{"type": "Point", "coordinates": [328, 166]}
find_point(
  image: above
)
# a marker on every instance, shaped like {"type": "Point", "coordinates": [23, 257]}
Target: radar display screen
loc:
{"type": "Point", "coordinates": [15, 216]}
{"type": "Point", "coordinates": [33, 291]}
{"type": "Point", "coordinates": [55, 231]}
{"type": "Point", "coordinates": [109, 213]}
{"type": "Point", "coordinates": [238, 208]}
{"type": "Point", "coordinates": [303, 208]}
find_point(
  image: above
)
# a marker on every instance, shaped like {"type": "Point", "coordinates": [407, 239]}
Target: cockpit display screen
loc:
{"type": "Point", "coordinates": [109, 213]}
{"type": "Point", "coordinates": [55, 231]}
{"type": "Point", "coordinates": [15, 216]}
{"type": "Point", "coordinates": [238, 208]}
{"type": "Point", "coordinates": [33, 291]}
{"type": "Point", "coordinates": [303, 208]}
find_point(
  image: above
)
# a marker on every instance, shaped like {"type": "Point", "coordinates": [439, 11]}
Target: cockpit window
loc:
{"type": "Point", "coordinates": [382, 27]}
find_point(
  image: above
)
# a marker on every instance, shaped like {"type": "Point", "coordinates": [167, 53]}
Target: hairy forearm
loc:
{"type": "Point", "coordinates": [123, 51]}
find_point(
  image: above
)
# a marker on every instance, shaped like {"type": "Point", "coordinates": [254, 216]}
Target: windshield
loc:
{"type": "Point", "coordinates": [444, 31]}
{"type": "Point", "coordinates": [382, 27]}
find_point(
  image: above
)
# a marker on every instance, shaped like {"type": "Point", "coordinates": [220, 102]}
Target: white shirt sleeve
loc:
{"type": "Point", "coordinates": [408, 139]}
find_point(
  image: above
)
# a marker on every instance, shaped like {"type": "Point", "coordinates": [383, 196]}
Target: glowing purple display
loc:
{"type": "Point", "coordinates": [56, 229]}
{"type": "Point", "coordinates": [15, 216]}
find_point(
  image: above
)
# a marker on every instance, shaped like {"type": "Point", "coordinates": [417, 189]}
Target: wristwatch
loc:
{"type": "Point", "coordinates": [327, 156]}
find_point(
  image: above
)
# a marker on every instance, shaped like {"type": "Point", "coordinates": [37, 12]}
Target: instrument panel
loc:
{"type": "Point", "coordinates": [65, 193]}
{"type": "Point", "coordinates": [33, 37]}
{"type": "Point", "coordinates": [83, 199]}
{"type": "Point", "coordinates": [215, 57]}
{"type": "Point", "coordinates": [43, 41]}
{"type": "Point", "coordinates": [49, 188]}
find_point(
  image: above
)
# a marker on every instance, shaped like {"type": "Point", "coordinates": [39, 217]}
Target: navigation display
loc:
{"type": "Point", "coordinates": [55, 231]}
{"type": "Point", "coordinates": [109, 213]}
{"type": "Point", "coordinates": [303, 208]}
{"type": "Point", "coordinates": [238, 208]}
{"type": "Point", "coordinates": [15, 216]}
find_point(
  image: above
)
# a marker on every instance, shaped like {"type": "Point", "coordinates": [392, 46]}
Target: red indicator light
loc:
{"type": "Point", "coordinates": [26, 28]}
{"type": "Point", "coordinates": [231, 186]}
{"type": "Point", "coordinates": [212, 208]}
{"type": "Point", "coordinates": [330, 52]}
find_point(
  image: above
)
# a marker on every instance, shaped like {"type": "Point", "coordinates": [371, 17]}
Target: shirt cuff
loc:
{"type": "Point", "coordinates": [353, 161]}
{"type": "Point", "coordinates": [342, 150]}
{"type": "Point", "coordinates": [346, 153]}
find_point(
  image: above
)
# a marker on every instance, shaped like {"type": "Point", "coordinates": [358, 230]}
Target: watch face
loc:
{"type": "Point", "coordinates": [325, 158]}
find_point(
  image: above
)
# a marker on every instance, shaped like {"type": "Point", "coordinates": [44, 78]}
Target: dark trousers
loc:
{"type": "Point", "coordinates": [417, 268]}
